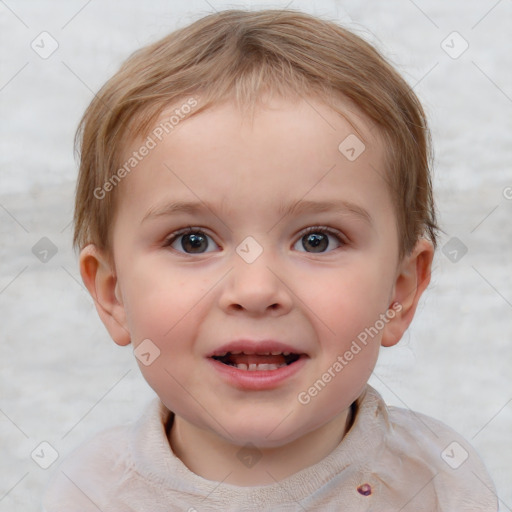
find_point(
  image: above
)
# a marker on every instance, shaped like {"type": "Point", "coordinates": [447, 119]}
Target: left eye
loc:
{"type": "Point", "coordinates": [192, 242]}
{"type": "Point", "coordinates": [317, 240]}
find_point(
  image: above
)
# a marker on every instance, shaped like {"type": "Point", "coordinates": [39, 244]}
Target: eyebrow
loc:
{"type": "Point", "coordinates": [176, 207]}
{"type": "Point", "coordinates": [297, 208]}
{"type": "Point", "coordinates": [338, 206]}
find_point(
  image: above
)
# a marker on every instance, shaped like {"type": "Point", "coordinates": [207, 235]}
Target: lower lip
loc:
{"type": "Point", "coordinates": [257, 379]}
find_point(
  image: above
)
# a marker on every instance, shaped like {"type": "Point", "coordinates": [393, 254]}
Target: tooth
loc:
{"type": "Point", "coordinates": [253, 367]}
{"type": "Point", "coordinates": [278, 352]}
{"type": "Point", "coordinates": [222, 355]}
{"type": "Point", "coordinates": [286, 353]}
{"type": "Point", "coordinates": [269, 366]}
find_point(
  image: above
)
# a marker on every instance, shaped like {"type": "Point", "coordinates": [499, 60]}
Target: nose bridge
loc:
{"type": "Point", "coordinates": [254, 284]}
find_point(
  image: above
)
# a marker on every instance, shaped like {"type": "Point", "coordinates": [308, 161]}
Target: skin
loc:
{"type": "Point", "coordinates": [190, 304]}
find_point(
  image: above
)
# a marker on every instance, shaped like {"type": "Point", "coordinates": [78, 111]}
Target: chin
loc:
{"type": "Point", "coordinates": [261, 433]}
{"type": "Point", "coordinates": [259, 440]}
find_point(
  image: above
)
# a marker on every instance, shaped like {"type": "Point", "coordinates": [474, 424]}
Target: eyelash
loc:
{"type": "Point", "coordinates": [312, 229]}
{"type": "Point", "coordinates": [323, 229]}
{"type": "Point", "coordinates": [185, 231]}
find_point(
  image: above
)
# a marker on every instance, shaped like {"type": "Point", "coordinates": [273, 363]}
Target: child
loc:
{"type": "Point", "coordinates": [254, 212]}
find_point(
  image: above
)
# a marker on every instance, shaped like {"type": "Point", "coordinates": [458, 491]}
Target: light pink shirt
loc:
{"type": "Point", "coordinates": [391, 460]}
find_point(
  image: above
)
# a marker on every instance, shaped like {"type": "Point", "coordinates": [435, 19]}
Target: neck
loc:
{"type": "Point", "coordinates": [214, 458]}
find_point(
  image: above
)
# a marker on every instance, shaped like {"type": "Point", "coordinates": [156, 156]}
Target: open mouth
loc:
{"type": "Point", "coordinates": [258, 362]}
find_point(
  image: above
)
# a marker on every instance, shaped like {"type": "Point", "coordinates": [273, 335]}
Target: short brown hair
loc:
{"type": "Point", "coordinates": [240, 55]}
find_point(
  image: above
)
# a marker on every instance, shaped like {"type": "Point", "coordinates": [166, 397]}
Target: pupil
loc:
{"type": "Point", "coordinates": [318, 242]}
{"type": "Point", "coordinates": [192, 243]}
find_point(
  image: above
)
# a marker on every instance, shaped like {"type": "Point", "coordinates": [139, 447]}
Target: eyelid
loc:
{"type": "Point", "coordinates": [330, 231]}
{"type": "Point", "coordinates": [170, 239]}
{"type": "Point", "coordinates": [341, 239]}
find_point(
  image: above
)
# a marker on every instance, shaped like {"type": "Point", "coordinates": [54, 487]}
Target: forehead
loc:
{"type": "Point", "coordinates": [287, 150]}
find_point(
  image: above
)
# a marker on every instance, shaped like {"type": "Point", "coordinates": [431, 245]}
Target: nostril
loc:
{"type": "Point", "coordinates": [239, 307]}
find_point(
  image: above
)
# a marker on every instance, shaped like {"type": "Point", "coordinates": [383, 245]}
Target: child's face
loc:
{"type": "Point", "coordinates": [328, 268]}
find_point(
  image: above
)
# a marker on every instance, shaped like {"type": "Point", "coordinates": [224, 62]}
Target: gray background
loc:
{"type": "Point", "coordinates": [62, 379]}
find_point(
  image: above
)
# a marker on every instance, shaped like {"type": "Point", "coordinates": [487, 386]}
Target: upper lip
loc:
{"type": "Point", "coordinates": [255, 347]}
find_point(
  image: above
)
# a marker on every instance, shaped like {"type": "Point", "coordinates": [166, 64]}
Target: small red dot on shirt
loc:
{"type": "Point", "coordinates": [365, 489]}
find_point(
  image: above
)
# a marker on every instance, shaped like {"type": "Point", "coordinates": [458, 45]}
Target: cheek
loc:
{"type": "Point", "coordinates": [157, 301]}
{"type": "Point", "coordinates": [348, 300]}
{"type": "Point", "coordinates": [166, 310]}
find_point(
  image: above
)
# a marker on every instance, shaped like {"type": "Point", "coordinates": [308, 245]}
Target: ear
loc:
{"type": "Point", "coordinates": [100, 279]}
{"type": "Point", "coordinates": [413, 277]}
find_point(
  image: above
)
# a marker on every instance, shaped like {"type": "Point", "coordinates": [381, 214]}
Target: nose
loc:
{"type": "Point", "coordinates": [255, 289]}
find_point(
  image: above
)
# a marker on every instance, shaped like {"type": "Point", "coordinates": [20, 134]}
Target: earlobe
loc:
{"type": "Point", "coordinates": [101, 281]}
{"type": "Point", "coordinates": [412, 279]}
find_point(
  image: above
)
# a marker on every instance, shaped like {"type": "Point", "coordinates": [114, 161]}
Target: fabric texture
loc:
{"type": "Point", "coordinates": [390, 460]}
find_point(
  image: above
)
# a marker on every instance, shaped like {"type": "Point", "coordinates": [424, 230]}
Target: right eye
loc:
{"type": "Point", "coordinates": [191, 241]}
